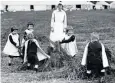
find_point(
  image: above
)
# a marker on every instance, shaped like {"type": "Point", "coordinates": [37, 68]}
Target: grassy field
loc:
{"type": "Point", "coordinates": [83, 22]}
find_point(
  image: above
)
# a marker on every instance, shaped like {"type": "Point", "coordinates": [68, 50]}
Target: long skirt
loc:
{"type": "Point", "coordinates": [94, 63]}
{"type": "Point", "coordinates": [70, 48]}
{"type": "Point", "coordinates": [10, 49]}
{"type": "Point", "coordinates": [32, 58]}
{"type": "Point", "coordinates": [58, 33]}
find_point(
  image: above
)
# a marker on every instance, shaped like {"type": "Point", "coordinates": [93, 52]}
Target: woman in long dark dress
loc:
{"type": "Point", "coordinates": [33, 52]}
{"type": "Point", "coordinates": [95, 57]}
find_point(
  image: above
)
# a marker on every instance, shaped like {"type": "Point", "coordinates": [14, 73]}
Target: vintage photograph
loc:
{"type": "Point", "coordinates": [57, 41]}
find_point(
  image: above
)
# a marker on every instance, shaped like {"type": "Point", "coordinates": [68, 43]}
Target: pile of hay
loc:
{"type": "Point", "coordinates": [63, 65]}
{"type": "Point", "coordinates": [60, 64]}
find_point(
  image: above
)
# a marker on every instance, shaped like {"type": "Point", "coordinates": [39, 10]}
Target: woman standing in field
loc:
{"type": "Point", "coordinates": [58, 24]}
{"type": "Point", "coordinates": [12, 45]}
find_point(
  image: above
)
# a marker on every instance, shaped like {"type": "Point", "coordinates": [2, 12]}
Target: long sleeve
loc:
{"type": "Point", "coordinates": [104, 57]}
{"type": "Point", "coordinates": [25, 51]}
{"type": "Point", "coordinates": [65, 20]}
{"type": "Point", "coordinates": [52, 19]}
{"type": "Point", "coordinates": [25, 34]}
{"type": "Point", "coordinates": [11, 40]}
{"type": "Point", "coordinates": [72, 38]}
{"type": "Point", "coordinates": [22, 43]}
{"type": "Point", "coordinates": [85, 55]}
{"type": "Point", "coordinates": [19, 41]}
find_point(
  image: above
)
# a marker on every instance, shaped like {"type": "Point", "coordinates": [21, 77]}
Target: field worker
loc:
{"type": "Point", "coordinates": [95, 57]}
{"type": "Point", "coordinates": [33, 52]}
{"type": "Point", "coordinates": [69, 42]}
{"type": "Point", "coordinates": [29, 30]}
{"type": "Point", "coordinates": [12, 45]}
{"type": "Point", "coordinates": [58, 24]}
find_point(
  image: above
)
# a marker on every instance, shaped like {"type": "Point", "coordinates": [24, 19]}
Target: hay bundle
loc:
{"type": "Point", "coordinates": [69, 67]}
{"type": "Point", "coordinates": [56, 61]}
{"type": "Point", "coordinates": [73, 68]}
{"type": "Point", "coordinates": [65, 65]}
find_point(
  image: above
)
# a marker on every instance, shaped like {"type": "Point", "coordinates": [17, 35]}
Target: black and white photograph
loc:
{"type": "Point", "coordinates": [57, 41]}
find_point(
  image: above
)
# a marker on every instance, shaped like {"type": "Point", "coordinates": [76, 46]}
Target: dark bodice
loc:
{"type": "Point", "coordinates": [95, 52]}
{"type": "Point", "coordinates": [32, 47]}
{"type": "Point", "coordinates": [94, 47]}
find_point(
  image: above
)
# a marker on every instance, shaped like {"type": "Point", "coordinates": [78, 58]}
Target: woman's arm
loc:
{"type": "Point", "coordinates": [11, 40]}
{"type": "Point", "coordinates": [84, 58]}
{"type": "Point", "coordinates": [72, 38]}
{"type": "Point", "coordinates": [52, 19]}
{"type": "Point", "coordinates": [65, 20]}
{"type": "Point", "coordinates": [104, 57]}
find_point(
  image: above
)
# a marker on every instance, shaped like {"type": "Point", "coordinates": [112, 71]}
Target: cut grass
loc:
{"type": "Point", "coordinates": [83, 22]}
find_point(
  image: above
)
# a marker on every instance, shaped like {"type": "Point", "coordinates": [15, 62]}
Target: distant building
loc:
{"type": "Point", "coordinates": [77, 5]}
{"type": "Point", "coordinates": [102, 5]}
{"type": "Point", "coordinates": [112, 5]}
{"type": "Point", "coordinates": [23, 6]}
{"type": "Point", "coordinates": [51, 5]}
{"type": "Point", "coordinates": [84, 5]}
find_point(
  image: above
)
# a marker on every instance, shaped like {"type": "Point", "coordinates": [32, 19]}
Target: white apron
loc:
{"type": "Point", "coordinates": [29, 31]}
{"type": "Point", "coordinates": [40, 53]}
{"type": "Point", "coordinates": [58, 23]}
{"type": "Point", "coordinates": [71, 47]}
{"type": "Point", "coordinates": [9, 48]}
{"type": "Point", "coordinates": [58, 33]}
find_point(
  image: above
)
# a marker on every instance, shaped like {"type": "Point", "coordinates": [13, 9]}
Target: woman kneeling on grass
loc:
{"type": "Point", "coordinates": [33, 52]}
{"type": "Point", "coordinates": [12, 45]}
{"type": "Point", "coordinates": [95, 57]}
{"type": "Point", "coordinates": [69, 42]}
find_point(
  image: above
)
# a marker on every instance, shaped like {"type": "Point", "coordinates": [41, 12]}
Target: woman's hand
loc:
{"type": "Point", "coordinates": [52, 29]}
{"type": "Point", "coordinates": [64, 30]}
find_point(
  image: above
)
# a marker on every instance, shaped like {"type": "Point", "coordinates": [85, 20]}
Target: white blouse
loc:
{"type": "Point", "coordinates": [59, 17]}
